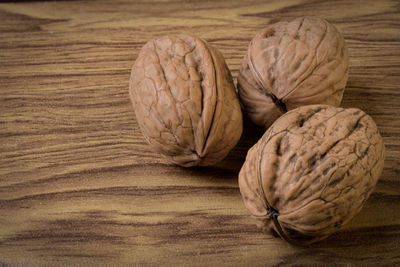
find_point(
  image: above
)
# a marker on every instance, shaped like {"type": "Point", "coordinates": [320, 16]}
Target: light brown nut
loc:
{"type": "Point", "coordinates": [185, 101]}
{"type": "Point", "coordinates": [312, 171]}
{"type": "Point", "coordinates": [291, 64]}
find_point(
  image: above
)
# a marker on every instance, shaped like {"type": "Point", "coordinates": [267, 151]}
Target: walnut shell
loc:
{"type": "Point", "coordinates": [185, 101]}
{"type": "Point", "coordinates": [291, 64]}
{"type": "Point", "coordinates": [312, 171]}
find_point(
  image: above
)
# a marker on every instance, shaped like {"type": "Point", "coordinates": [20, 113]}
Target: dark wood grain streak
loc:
{"type": "Point", "coordinates": [80, 186]}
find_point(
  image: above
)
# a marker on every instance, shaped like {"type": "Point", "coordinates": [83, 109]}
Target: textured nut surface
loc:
{"type": "Point", "coordinates": [291, 64]}
{"type": "Point", "coordinates": [312, 171]}
{"type": "Point", "coordinates": [185, 101]}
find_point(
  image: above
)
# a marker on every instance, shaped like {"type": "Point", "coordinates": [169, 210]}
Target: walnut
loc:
{"type": "Point", "coordinates": [185, 101]}
{"type": "Point", "coordinates": [291, 64]}
{"type": "Point", "coordinates": [312, 171]}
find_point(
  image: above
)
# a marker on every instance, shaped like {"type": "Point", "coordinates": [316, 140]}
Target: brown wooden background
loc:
{"type": "Point", "coordinates": [78, 183]}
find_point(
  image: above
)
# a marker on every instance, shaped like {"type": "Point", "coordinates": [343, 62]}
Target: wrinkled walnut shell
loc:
{"type": "Point", "coordinates": [312, 171]}
{"type": "Point", "coordinates": [185, 101]}
{"type": "Point", "coordinates": [291, 64]}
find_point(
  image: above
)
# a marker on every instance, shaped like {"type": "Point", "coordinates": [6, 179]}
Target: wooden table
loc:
{"type": "Point", "coordinates": [79, 184]}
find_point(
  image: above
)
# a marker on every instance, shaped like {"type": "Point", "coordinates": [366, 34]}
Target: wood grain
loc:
{"type": "Point", "coordinates": [78, 183]}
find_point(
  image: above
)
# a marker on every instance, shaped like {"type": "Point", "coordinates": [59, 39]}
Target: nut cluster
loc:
{"type": "Point", "coordinates": [316, 164]}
